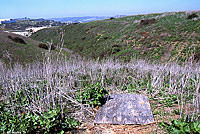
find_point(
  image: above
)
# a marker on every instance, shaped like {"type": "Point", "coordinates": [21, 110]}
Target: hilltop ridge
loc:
{"type": "Point", "coordinates": [15, 48]}
{"type": "Point", "coordinates": [172, 36]}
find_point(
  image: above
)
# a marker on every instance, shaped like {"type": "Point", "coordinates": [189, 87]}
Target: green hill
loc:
{"type": "Point", "coordinates": [162, 36]}
{"type": "Point", "coordinates": [15, 48]}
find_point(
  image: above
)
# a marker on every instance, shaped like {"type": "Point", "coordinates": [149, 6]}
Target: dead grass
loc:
{"type": "Point", "coordinates": [61, 80]}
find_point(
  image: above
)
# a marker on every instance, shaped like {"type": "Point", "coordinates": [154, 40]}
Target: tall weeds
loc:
{"type": "Point", "coordinates": [54, 84]}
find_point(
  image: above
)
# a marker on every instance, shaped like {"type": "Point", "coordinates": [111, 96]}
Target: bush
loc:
{"type": "Point", "coordinates": [46, 47]}
{"type": "Point", "coordinates": [116, 46]}
{"type": "Point", "coordinates": [17, 39]}
{"type": "Point", "coordinates": [9, 37]}
{"type": "Point", "coordinates": [111, 18]}
{"type": "Point", "coordinates": [191, 16]}
{"type": "Point", "coordinates": [83, 38]}
{"type": "Point", "coordinates": [94, 94]}
{"type": "Point", "coordinates": [75, 23]}
{"type": "Point", "coordinates": [116, 50]}
{"type": "Point", "coordinates": [147, 22]}
{"type": "Point", "coordinates": [182, 127]}
{"type": "Point", "coordinates": [20, 119]}
{"type": "Point", "coordinates": [47, 122]}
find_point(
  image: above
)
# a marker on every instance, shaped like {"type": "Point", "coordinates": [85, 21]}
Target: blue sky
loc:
{"type": "Point", "coordinates": [69, 8]}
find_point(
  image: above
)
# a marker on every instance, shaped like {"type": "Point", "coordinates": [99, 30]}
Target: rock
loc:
{"type": "Point", "coordinates": [125, 109]}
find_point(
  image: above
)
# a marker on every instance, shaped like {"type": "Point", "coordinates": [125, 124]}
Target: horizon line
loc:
{"type": "Point", "coordinates": [106, 15]}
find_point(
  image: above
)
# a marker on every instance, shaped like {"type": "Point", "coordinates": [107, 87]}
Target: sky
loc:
{"type": "Point", "coordinates": [76, 8]}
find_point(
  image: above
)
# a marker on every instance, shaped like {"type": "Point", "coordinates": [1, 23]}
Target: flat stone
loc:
{"type": "Point", "coordinates": [125, 109]}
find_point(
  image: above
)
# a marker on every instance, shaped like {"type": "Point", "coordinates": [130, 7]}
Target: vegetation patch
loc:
{"type": "Point", "coordinates": [46, 47]}
{"type": "Point", "coordinates": [17, 39]}
{"type": "Point", "coordinates": [147, 22]}
{"type": "Point", "coordinates": [191, 16]}
{"type": "Point", "coordinates": [18, 49]}
{"type": "Point", "coordinates": [94, 95]}
{"type": "Point", "coordinates": [51, 121]}
{"type": "Point", "coordinates": [181, 126]}
{"type": "Point", "coordinates": [54, 96]}
{"type": "Point", "coordinates": [142, 36]}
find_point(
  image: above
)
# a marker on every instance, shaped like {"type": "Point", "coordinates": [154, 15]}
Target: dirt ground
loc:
{"type": "Point", "coordinates": [118, 129]}
{"type": "Point", "coordinates": [122, 129]}
{"type": "Point", "coordinates": [165, 114]}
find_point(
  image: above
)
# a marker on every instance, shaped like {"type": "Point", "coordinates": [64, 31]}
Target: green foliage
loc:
{"type": "Point", "coordinates": [191, 16]}
{"type": "Point", "coordinates": [21, 119]}
{"type": "Point", "coordinates": [46, 46]}
{"type": "Point", "coordinates": [153, 41]}
{"type": "Point", "coordinates": [169, 100]}
{"type": "Point", "coordinates": [23, 97]}
{"type": "Point", "coordinates": [137, 85]}
{"type": "Point", "coordinates": [19, 49]}
{"type": "Point", "coordinates": [47, 122]}
{"type": "Point", "coordinates": [93, 95]}
{"type": "Point", "coordinates": [182, 127]}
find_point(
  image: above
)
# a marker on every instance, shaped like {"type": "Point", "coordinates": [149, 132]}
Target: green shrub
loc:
{"type": "Point", "coordinates": [191, 16]}
{"type": "Point", "coordinates": [169, 100]}
{"type": "Point", "coordinates": [17, 39]}
{"type": "Point", "coordinates": [94, 95]}
{"type": "Point", "coordinates": [20, 119]}
{"type": "Point", "coordinates": [46, 47]}
{"type": "Point", "coordinates": [47, 122]}
{"type": "Point", "coordinates": [111, 18]}
{"type": "Point", "coordinates": [182, 127]}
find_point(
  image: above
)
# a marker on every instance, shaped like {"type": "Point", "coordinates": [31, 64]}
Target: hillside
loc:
{"type": "Point", "coordinates": [162, 36]}
{"type": "Point", "coordinates": [61, 96]}
{"type": "Point", "coordinates": [15, 48]}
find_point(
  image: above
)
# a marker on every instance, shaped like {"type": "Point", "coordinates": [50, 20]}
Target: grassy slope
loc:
{"type": "Point", "coordinates": [18, 52]}
{"type": "Point", "coordinates": [172, 37]}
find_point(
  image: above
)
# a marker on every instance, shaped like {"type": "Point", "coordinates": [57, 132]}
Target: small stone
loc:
{"type": "Point", "coordinates": [125, 109]}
